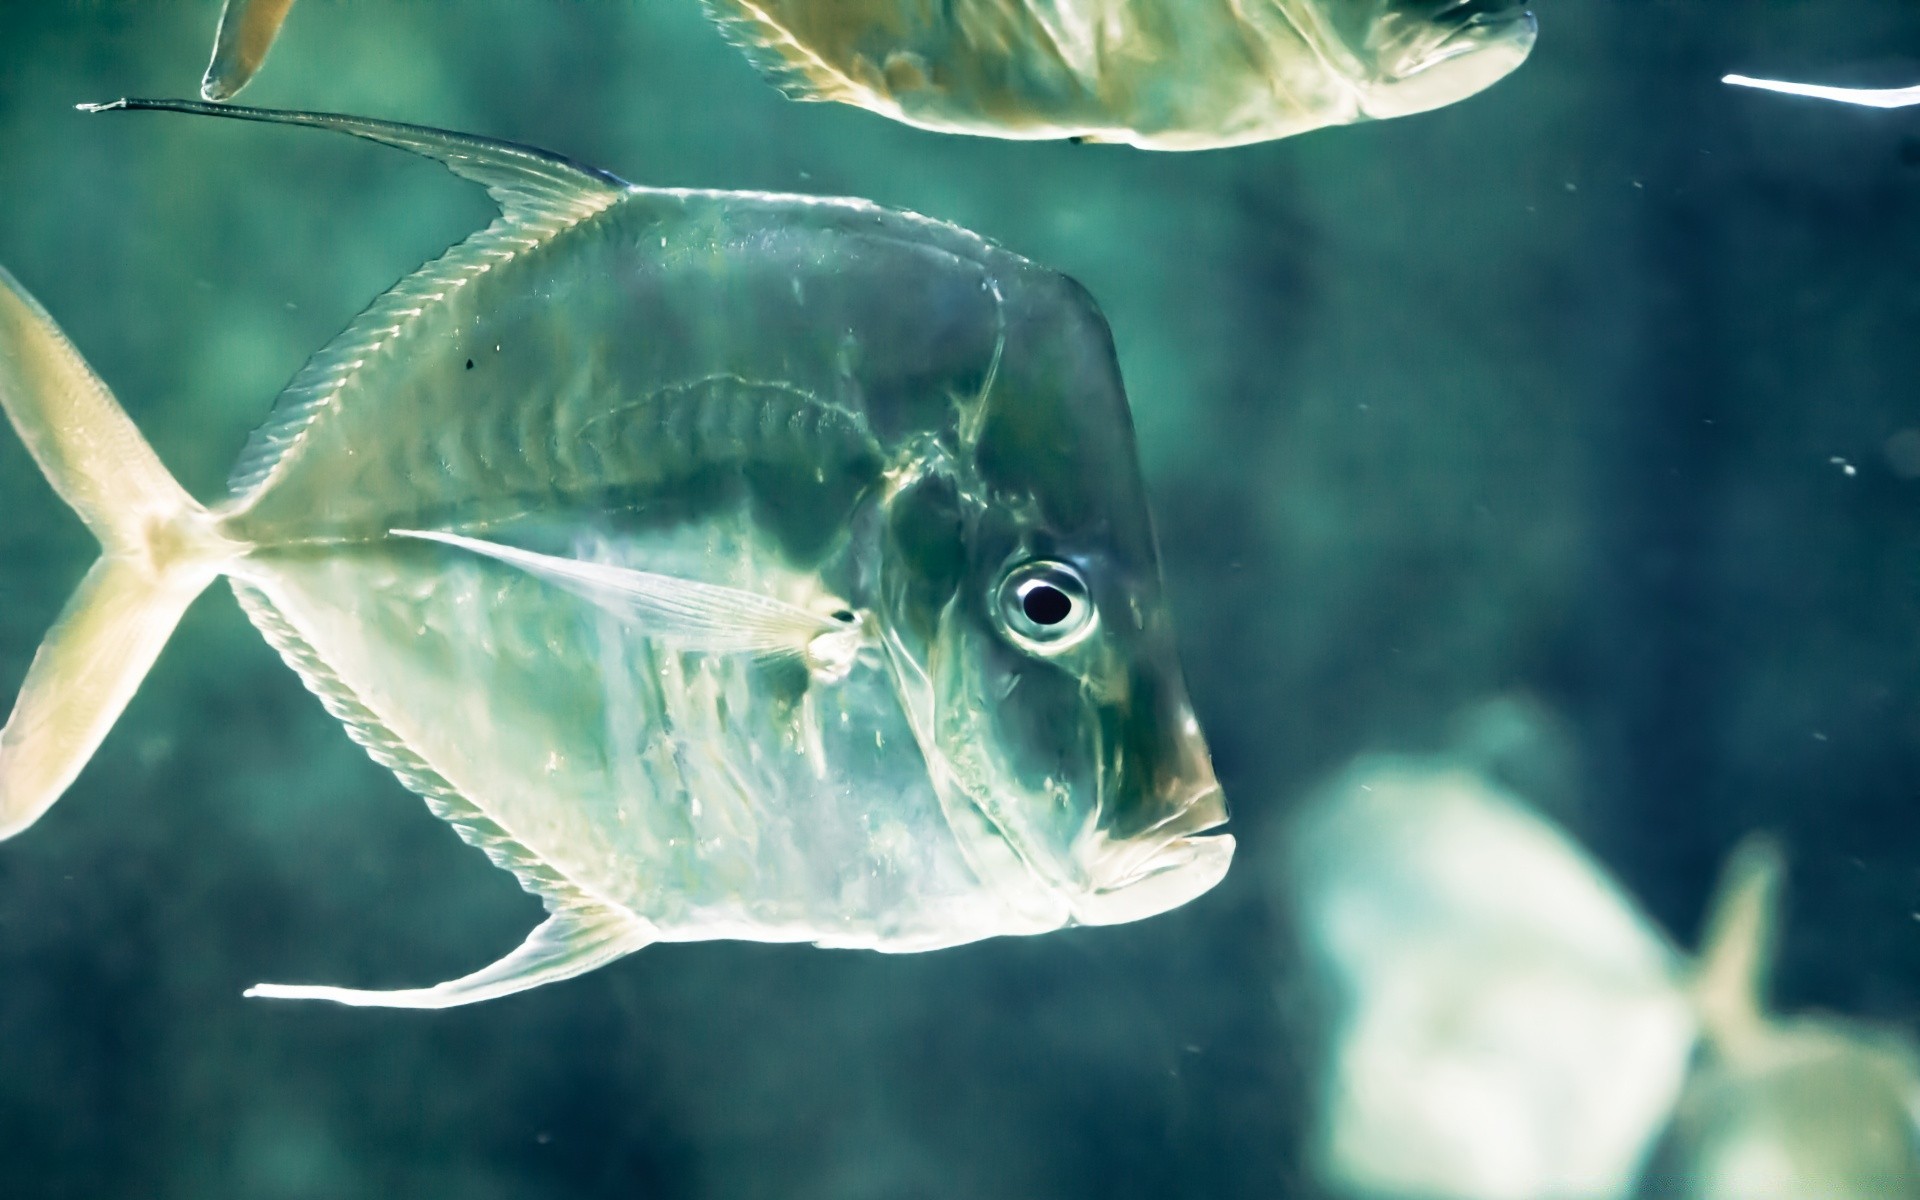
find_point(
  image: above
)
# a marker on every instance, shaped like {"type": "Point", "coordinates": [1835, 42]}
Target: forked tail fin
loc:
{"type": "Point", "coordinates": [1737, 946]}
{"type": "Point", "coordinates": [160, 549]}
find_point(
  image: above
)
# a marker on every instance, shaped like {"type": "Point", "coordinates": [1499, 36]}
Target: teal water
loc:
{"type": "Point", "coordinates": [1598, 388]}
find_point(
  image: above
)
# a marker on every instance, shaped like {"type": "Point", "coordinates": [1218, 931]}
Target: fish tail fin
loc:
{"type": "Point", "coordinates": [160, 550]}
{"type": "Point", "coordinates": [246, 33]}
{"type": "Point", "coordinates": [1736, 949]}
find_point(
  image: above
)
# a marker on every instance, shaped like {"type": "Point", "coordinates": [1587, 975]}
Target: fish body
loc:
{"type": "Point", "coordinates": [679, 547]}
{"type": "Point", "coordinates": [1161, 74]}
{"type": "Point", "coordinates": [1505, 1024]}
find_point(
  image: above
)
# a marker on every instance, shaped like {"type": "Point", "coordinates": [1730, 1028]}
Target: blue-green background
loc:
{"type": "Point", "coordinates": [1554, 392]}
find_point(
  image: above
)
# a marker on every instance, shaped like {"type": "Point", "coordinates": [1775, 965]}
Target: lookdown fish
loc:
{"type": "Point", "coordinates": [1503, 1023]}
{"type": "Point", "coordinates": [1866, 97]}
{"type": "Point", "coordinates": [1160, 74]}
{"type": "Point", "coordinates": [1509, 1025]}
{"type": "Point", "coordinates": [723, 564]}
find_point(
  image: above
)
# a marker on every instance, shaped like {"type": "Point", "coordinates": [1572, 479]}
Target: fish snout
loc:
{"type": "Point", "coordinates": [1427, 63]}
{"type": "Point", "coordinates": [1164, 865]}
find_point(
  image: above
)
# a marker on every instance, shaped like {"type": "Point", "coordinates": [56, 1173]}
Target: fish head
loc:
{"type": "Point", "coordinates": [1058, 710]}
{"type": "Point", "coordinates": [1417, 55]}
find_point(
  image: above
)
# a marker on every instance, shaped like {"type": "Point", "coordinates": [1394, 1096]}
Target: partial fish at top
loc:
{"type": "Point", "coordinates": [1160, 74]}
{"type": "Point", "coordinates": [724, 565]}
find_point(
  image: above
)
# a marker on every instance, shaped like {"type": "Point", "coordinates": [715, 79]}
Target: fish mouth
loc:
{"type": "Point", "coordinates": [1160, 868]}
{"type": "Point", "coordinates": [1439, 55]}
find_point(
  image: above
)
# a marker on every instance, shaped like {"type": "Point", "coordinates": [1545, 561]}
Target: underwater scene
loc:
{"type": "Point", "coordinates": [960, 599]}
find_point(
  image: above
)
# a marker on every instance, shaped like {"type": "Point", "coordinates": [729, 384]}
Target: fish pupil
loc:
{"type": "Point", "coordinates": [1046, 605]}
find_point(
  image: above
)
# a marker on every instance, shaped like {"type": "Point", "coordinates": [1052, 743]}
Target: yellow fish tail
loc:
{"type": "Point", "coordinates": [160, 550]}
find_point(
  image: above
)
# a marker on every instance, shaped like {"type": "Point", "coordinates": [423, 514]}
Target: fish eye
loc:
{"type": "Point", "coordinates": [1044, 606]}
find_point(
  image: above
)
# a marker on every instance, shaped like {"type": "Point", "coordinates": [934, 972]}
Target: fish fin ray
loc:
{"type": "Point", "coordinates": [1737, 947]}
{"type": "Point", "coordinates": [240, 45]}
{"type": "Point", "coordinates": [571, 942]}
{"type": "Point", "coordinates": [790, 67]}
{"type": "Point", "coordinates": [683, 612]}
{"type": "Point", "coordinates": [529, 184]}
{"type": "Point", "coordinates": [1865, 97]}
{"type": "Point", "coordinates": [540, 195]}
{"type": "Point", "coordinates": [387, 748]}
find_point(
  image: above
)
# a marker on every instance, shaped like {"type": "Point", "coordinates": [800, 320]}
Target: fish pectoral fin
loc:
{"type": "Point", "coordinates": [247, 30]}
{"type": "Point", "coordinates": [531, 186]}
{"type": "Point", "coordinates": [685, 613]}
{"type": "Point", "coordinates": [571, 942]}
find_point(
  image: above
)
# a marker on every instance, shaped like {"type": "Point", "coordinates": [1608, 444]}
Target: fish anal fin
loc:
{"type": "Point", "coordinates": [391, 751]}
{"type": "Point", "coordinates": [246, 33]}
{"type": "Point", "coordinates": [571, 942]}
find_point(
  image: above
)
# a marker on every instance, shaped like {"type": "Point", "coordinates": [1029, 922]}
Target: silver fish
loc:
{"type": "Point", "coordinates": [1507, 1023]}
{"type": "Point", "coordinates": [723, 564]}
{"type": "Point", "coordinates": [1504, 1023]}
{"type": "Point", "coordinates": [1161, 74]}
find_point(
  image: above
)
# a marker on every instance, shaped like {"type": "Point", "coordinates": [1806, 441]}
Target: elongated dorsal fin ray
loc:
{"type": "Point", "coordinates": [1737, 946]}
{"type": "Point", "coordinates": [246, 33]}
{"type": "Point", "coordinates": [540, 195]}
{"type": "Point", "coordinates": [528, 184]}
{"type": "Point", "coordinates": [570, 942]}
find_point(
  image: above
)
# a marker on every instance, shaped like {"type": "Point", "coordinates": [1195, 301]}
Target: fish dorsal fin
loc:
{"type": "Point", "coordinates": [531, 186]}
{"type": "Point", "coordinates": [539, 195]}
{"type": "Point", "coordinates": [783, 60]}
{"type": "Point", "coordinates": [1737, 947]}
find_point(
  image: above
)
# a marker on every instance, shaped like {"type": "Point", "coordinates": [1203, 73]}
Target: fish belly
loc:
{"type": "Point", "coordinates": [714, 795]}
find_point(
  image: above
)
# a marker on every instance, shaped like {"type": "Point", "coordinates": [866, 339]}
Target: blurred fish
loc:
{"type": "Point", "coordinates": [1795, 1108]}
{"type": "Point", "coordinates": [725, 565]}
{"type": "Point", "coordinates": [1506, 1025]}
{"type": "Point", "coordinates": [1869, 97]}
{"type": "Point", "coordinates": [1509, 1026]}
{"type": "Point", "coordinates": [1161, 74]}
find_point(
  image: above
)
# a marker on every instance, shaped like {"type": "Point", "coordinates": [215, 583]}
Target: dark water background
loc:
{"type": "Point", "coordinates": [1599, 387]}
